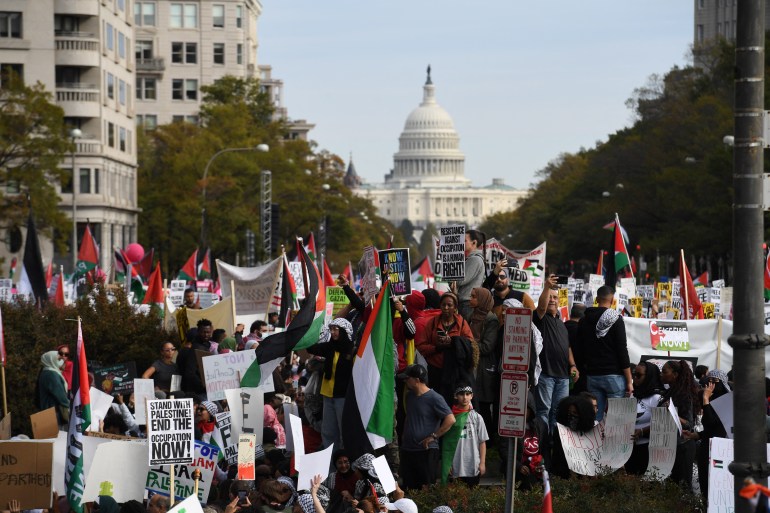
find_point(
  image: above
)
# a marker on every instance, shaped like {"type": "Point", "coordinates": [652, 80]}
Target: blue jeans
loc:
{"type": "Point", "coordinates": [549, 393]}
{"type": "Point", "coordinates": [606, 387]}
{"type": "Point", "coordinates": [331, 424]}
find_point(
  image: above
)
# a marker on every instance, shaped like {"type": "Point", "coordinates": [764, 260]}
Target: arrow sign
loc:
{"type": "Point", "coordinates": [517, 333]}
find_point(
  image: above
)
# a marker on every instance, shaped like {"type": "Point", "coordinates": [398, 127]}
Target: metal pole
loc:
{"type": "Point", "coordinates": [748, 340]}
{"type": "Point", "coordinates": [74, 212]}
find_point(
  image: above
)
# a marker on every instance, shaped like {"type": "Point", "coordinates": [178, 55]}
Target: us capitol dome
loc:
{"type": "Point", "coordinates": [427, 184]}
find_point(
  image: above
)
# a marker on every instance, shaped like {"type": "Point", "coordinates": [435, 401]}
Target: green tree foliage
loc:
{"type": "Point", "coordinates": [668, 176]}
{"type": "Point", "coordinates": [235, 114]}
{"type": "Point", "coordinates": [112, 333]}
{"type": "Point", "coordinates": [33, 141]}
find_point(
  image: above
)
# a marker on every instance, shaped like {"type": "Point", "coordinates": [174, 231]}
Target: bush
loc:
{"type": "Point", "coordinates": [617, 492]}
{"type": "Point", "coordinates": [112, 333]}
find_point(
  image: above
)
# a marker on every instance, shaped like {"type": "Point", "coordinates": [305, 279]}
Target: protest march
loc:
{"type": "Point", "coordinates": [281, 387]}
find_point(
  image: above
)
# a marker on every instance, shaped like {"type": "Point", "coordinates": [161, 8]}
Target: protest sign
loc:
{"type": "Point", "coordinates": [394, 265]}
{"type": "Point", "coordinates": [118, 470]}
{"type": "Point", "coordinates": [101, 404]}
{"type": "Point", "coordinates": [224, 371]}
{"type": "Point", "coordinates": [370, 269]}
{"type": "Point", "coordinates": [384, 474]}
{"type": "Point", "coordinates": [189, 505]}
{"type": "Point", "coordinates": [176, 383]}
{"type": "Point", "coordinates": [235, 406]}
{"type": "Point", "coordinates": [144, 390]}
{"type": "Point", "coordinates": [170, 431]}
{"type": "Point", "coordinates": [5, 427]}
{"type": "Point", "coordinates": [669, 335]}
{"type": "Point", "coordinates": [225, 439]}
{"type": "Point", "coordinates": [618, 428]}
{"type": "Point", "coordinates": [452, 250]}
{"type": "Point", "coordinates": [582, 450]}
{"type": "Point", "coordinates": [220, 315]}
{"type": "Point", "coordinates": [295, 268]}
{"type": "Point", "coordinates": [337, 296]}
{"type": "Point", "coordinates": [314, 464]}
{"type": "Point", "coordinates": [723, 406]}
{"type": "Point", "coordinates": [721, 498]}
{"type": "Point", "coordinates": [662, 445]}
{"type": "Point", "coordinates": [206, 456]}
{"type": "Point", "coordinates": [328, 313]}
{"type": "Point", "coordinates": [253, 405]}
{"type": "Point", "coordinates": [254, 286]}
{"type": "Point", "coordinates": [44, 424]}
{"type": "Point", "coordinates": [297, 437]}
{"type": "Point", "coordinates": [27, 474]}
{"type": "Point", "coordinates": [246, 462]}
{"type": "Point", "coordinates": [116, 379]}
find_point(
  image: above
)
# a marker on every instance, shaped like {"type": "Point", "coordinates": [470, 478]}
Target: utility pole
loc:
{"type": "Point", "coordinates": [748, 339]}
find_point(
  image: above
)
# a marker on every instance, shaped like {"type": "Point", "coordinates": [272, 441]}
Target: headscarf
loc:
{"type": "Point", "coordinates": [484, 303]}
{"type": "Point", "coordinates": [306, 500]}
{"type": "Point", "coordinates": [443, 509]}
{"type": "Point", "coordinates": [343, 345]}
{"type": "Point", "coordinates": [290, 483]}
{"type": "Point", "coordinates": [721, 376]}
{"type": "Point", "coordinates": [51, 362]}
{"type": "Point", "coordinates": [652, 384]}
{"type": "Point", "coordinates": [271, 421]}
{"type": "Point", "coordinates": [365, 463]}
{"type": "Point", "coordinates": [107, 504]}
{"type": "Point", "coordinates": [228, 343]}
{"type": "Point", "coordinates": [212, 408]}
{"type": "Point", "coordinates": [342, 324]}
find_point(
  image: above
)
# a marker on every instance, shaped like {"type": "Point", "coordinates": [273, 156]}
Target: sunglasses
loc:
{"type": "Point", "coordinates": [64, 354]}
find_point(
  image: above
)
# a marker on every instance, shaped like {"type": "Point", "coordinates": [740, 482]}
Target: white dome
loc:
{"type": "Point", "coordinates": [429, 115]}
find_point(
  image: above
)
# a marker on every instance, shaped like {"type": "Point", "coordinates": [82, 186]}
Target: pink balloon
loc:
{"type": "Point", "coordinates": [134, 252]}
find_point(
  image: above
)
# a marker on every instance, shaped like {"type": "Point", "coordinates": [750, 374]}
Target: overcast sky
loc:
{"type": "Point", "coordinates": [523, 81]}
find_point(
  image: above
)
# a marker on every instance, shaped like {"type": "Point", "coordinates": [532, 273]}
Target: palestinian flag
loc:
{"type": "Point", "coordinates": [301, 333]}
{"type": "Point", "coordinates": [48, 273]}
{"type": "Point", "coordinates": [189, 271]}
{"type": "Point", "coordinates": [329, 280]}
{"type": "Point", "coordinates": [289, 300]}
{"type": "Point", "coordinates": [449, 442]}
{"type": "Point", "coordinates": [368, 406]}
{"type": "Point", "coordinates": [80, 419]}
{"type": "Point", "coordinates": [13, 268]}
{"type": "Point", "coordinates": [691, 305]}
{"type": "Point", "coordinates": [703, 280]}
{"type": "Point", "coordinates": [600, 264]}
{"type": "Point", "coordinates": [204, 268]}
{"type": "Point", "coordinates": [88, 256]}
{"type": "Point", "coordinates": [310, 248]}
{"type": "Point", "coordinates": [622, 262]}
{"type": "Point", "coordinates": [32, 279]}
{"type": "Point", "coordinates": [144, 266]}
{"type": "Point", "coordinates": [58, 297]}
{"type": "Point", "coordinates": [547, 499]}
{"type": "Point", "coordinates": [422, 275]}
{"type": "Point", "coordinates": [154, 294]}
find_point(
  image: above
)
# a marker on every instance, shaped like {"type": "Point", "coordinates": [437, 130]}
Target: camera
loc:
{"type": "Point", "coordinates": [243, 497]}
{"type": "Point", "coordinates": [562, 279]}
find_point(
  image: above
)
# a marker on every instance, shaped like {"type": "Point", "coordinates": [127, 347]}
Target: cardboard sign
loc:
{"type": "Point", "coordinates": [224, 371]}
{"type": "Point", "coordinates": [618, 429]}
{"type": "Point", "coordinates": [44, 424]}
{"type": "Point", "coordinates": [394, 265]}
{"type": "Point", "coordinates": [123, 481]}
{"type": "Point", "coordinates": [116, 379]}
{"type": "Point", "coordinates": [170, 431]}
{"type": "Point", "coordinates": [663, 444]}
{"type": "Point", "coordinates": [247, 443]}
{"type": "Point", "coordinates": [205, 460]}
{"type": "Point", "coordinates": [27, 473]}
{"type": "Point", "coordinates": [5, 427]}
{"type": "Point", "coordinates": [452, 250]}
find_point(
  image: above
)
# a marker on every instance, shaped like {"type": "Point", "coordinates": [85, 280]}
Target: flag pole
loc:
{"type": "Point", "coordinates": [276, 284]}
{"type": "Point", "coordinates": [232, 299]}
{"type": "Point", "coordinates": [683, 284]}
{"type": "Point", "coordinates": [5, 402]}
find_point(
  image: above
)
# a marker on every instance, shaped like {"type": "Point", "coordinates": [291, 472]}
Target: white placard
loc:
{"type": "Point", "coordinates": [618, 429]}
{"type": "Point", "coordinates": [170, 431]}
{"type": "Point", "coordinates": [384, 474]}
{"type": "Point", "coordinates": [176, 383]}
{"type": "Point", "coordinates": [229, 442]}
{"type": "Point", "coordinates": [235, 406]}
{"type": "Point", "coordinates": [663, 442]}
{"type": "Point", "coordinates": [297, 439]}
{"type": "Point", "coordinates": [295, 268]}
{"type": "Point", "coordinates": [314, 464]}
{"type": "Point", "coordinates": [144, 390]}
{"type": "Point", "coordinates": [675, 414]}
{"type": "Point", "coordinates": [189, 505]}
{"type": "Point", "coordinates": [246, 457]}
{"type": "Point", "coordinates": [118, 469]}
{"type": "Point", "coordinates": [723, 406]}
{"type": "Point", "coordinates": [100, 406]}
{"type": "Point", "coordinates": [253, 406]}
{"type": "Point", "coordinates": [452, 249]}
{"type": "Point", "coordinates": [224, 371]}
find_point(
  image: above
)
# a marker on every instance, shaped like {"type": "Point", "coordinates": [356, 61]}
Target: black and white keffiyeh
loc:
{"type": "Point", "coordinates": [606, 321]}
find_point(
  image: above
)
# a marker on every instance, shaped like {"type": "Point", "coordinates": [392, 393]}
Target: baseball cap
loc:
{"type": "Point", "coordinates": [415, 371]}
{"type": "Point", "coordinates": [403, 505]}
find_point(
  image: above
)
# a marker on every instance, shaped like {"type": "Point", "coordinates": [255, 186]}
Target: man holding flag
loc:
{"type": "Point", "coordinates": [80, 419]}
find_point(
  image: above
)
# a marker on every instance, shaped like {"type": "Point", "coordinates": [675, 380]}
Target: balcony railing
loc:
{"type": "Point", "coordinates": [154, 64]}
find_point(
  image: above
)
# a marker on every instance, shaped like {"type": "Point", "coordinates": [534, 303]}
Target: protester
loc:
{"type": "Point", "coordinates": [205, 416]}
{"type": "Point", "coordinates": [64, 353]}
{"type": "Point", "coordinates": [534, 448]}
{"type": "Point", "coordinates": [499, 283]}
{"type": "Point", "coordinates": [485, 328]}
{"type": "Point", "coordinates": [577, 414]}
{"type": "Point", "coordinates": [344, 478]}
{"type": "Point", "coordinates": [647, 390]}
{"type": "Point", "coordinates": [336, 346]}
{"type": "Point", "coordinates": [190, 301]}
{"type": "Point", "coordinates": [162, 370]}
{"type": "Point", "coordinates": [682, 392]}
{"type": "Point", "coordinates": [52, 388]}
{"type": "Point", "coordinates": [448, 339]}
{"type": "Point", "coordinates": [470, 454]}
{"type": "Point", "coordinates": [187, 361]}
{"type": "Point", "coordinates": [271, 421]}
{"type": "Point", "coordinates": [716, 386]}
{"type": "Point", "coordinates": [475, 269]}
{"type": "Point", "coordinates": [157, 504]}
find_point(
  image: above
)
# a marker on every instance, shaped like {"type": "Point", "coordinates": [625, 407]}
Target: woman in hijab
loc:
{"type": "Point", "coordinates": [271, 421]}
{"type": "Point", "coordinates": [682, 392]}
{"type": "Point", "coordinates": [716, 386]}
{"type": "Point", "coordinates": [368, 483]}
{"type": "Point", "coordinates": [484, 326]}
{"type": "Point", "coordinates": [647, 390]}
{"type": "Point", "coordinates": [52, 388]}
{"type": "Point", "coordinates": [335, 344]}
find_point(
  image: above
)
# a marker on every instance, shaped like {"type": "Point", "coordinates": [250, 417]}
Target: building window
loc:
{"type": "Point", "coordinates": [122, 92]}
{"type": "Point", "coordinates": [219, 53]}
{"type": "Point", "coordinates": [85, 181]}
{"type": "Point", "coordinates": [110, 37]}
{"type": "Point", "coordinates": [144, 14]}
{"type": "Point", "coordinates": [65, 24]}
{"type": "Point", "coordinates": [110, 134]}
{"type": "Point", "coordinates": [184, 53]}
{"type": "Point", "coordinates": [122, 139]}
{"type": "Point", "coordinates": [96, 181]}
{"type": "Point", "coordinates": [143, 50]}
{"type": "Point", "coordinates": [218, 15]}
{"type": "Point", "coordinates": [147, 121]}
{"type": "Point", "coordinates": [122, 5]}
{"type": "Point", "coordinates": [701, 4]}
{"type": "Point", "coordinates": [239, 16]}
{"type": "Point", "coordinates": [66, 182]}
{"type": "Point", "coordinates": [183, 15]}
{"type": "Point", "coordinates": [699, 36]}
{"type": "Point", "coordinates": [10, 24]}
{"type": "Point", "coordinates": [110, 86]}
{"type": "Point", "coordinates": [239, 54]}
{"type": "Point", "coordinates": [121, 45]}
{"type": "Point", "coordinates": [10, 72]}
{"type": "Point", "coordinates": [185, 119]}
{"type": "Point", "coordinates": [146, 88]}
{"type": "Point", "coordinates": [184, 89]}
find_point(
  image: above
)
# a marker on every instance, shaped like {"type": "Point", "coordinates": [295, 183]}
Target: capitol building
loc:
{"type": "Point", "coordinates": [427, 184]}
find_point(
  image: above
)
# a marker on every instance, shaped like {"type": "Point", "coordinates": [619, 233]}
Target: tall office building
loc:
{"type": "Point", "coordinates": [81, 51]}
{"type": "Point", "coordinates": [181, 46]}
{"type": "Point", "coordinates": [718, 18]}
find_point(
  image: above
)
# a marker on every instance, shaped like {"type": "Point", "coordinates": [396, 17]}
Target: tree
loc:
{"type": "Point", "coordinates": [33, 141]}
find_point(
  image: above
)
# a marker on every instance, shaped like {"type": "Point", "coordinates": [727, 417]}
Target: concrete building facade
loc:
{"type": "Point", "coordinates": [81, 51]}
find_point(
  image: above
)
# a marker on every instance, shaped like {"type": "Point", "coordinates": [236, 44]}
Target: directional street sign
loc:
{"type": "Point", "coordinates": [516, 339]}
{"type": "Point", "coordinates": [513, 404]}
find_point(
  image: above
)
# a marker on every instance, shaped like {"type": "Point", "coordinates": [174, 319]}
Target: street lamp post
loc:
{"type": "Point", "coordinates": [264, 148]}
{"type": "Point", "coordinates": [75, 134]}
